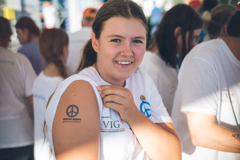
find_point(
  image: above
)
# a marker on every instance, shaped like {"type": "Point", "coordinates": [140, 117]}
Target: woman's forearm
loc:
{"type": "Point", "coordinates": [157, 142]}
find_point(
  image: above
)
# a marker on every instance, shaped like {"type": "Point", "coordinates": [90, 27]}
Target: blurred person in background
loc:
{"type": "Point", "coordinates": [216, 21]}
{"type": "Point", "coordinates": [155, 19]}
{"type": "Point", "coordinates": [28, 34]}
{"type": "Point", "coordinates": [53, 44]}
{"type": "Point", "coordinates": [175, 37]}
{"type": "Point", "coordinates": [197, 5]}
{"type": "Point", "coordinates": [49, 15]}
{"type": "Point", "coordinates": [208, 5]}
{"type": "Point", "coordinates": [78, 39]}
{"type": "Point", "coordinates": [207, 101]}
{"type": "Point", "coordinates": [16, 100]}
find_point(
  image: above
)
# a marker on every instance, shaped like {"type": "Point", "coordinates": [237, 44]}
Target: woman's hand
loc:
{"type": "Point", "coordinates": [119, 99]}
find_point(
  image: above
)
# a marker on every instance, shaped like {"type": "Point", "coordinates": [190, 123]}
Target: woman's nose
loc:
{"type": "Point", "coordinates": [127, 50]}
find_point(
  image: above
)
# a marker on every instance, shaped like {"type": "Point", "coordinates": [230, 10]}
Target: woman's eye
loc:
{"type": "Point", "coordinates": [137, 41]}
{"type": "Point", "coordinates": [115, 40]}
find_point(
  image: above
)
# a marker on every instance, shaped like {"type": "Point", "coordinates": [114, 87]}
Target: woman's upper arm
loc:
{"type": "Point", "coordinates": [76, 125]}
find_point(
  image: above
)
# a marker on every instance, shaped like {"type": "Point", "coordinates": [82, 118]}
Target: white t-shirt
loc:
{"type": "Point", "coordinates": [16, 81]}
{"type": "Point", "coordinates": [164, 77]}
{"type": "Point", "coordinates": [77, 42]}
{"type": "Point", "coordinates": [202, 87]}
{"type": "Point", "coordinates": [43, 88]}
{"type": "Point", "coordinates": [117, 140]}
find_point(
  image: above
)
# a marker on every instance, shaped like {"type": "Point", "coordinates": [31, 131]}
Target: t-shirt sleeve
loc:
{"type": "Point", "coordinates": [198, 82]}
{"type": "Point", "coordinates": [29, 75]}
{"type": "Point", "coordinates": [159, 113]}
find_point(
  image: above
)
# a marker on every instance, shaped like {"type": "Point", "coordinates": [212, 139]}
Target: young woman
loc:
{"type": "Point", "coordinates": [111, 109]}
{"type": "Point", "coordinates": [28, 35]}
{"type": "Point", "coordinates": [175, 36]}
{"type": "Point", "coordinates": [53, 45]}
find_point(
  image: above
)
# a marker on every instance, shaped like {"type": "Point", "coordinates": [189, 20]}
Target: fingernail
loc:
{"type": "Point", "coordinates": [98, 88]}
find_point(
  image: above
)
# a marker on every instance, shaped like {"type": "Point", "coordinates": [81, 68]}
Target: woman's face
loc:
{"type": "Point", "coordinates": [120, 49]}
{"type": "Point", "coordinates": [193, 39]}
{"type": "Point", "coordinates": [22, 35]}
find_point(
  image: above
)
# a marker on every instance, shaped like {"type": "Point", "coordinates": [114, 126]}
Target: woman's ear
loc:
{"type": "Point", "coordinates": [66, 50]}
{"type": "Point", "coordinates": [225, 29]}
{"type": "Point", "coordinates": [94, 43]}
{"type": "Point", "coordinates": [177, 31]}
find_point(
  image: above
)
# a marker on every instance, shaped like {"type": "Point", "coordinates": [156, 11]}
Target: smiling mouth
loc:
{"type": "Point", "coordinates": [124, 63]}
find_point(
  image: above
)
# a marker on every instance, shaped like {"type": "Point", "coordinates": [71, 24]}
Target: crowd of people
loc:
{"type": "Point", "coordinates": [109, 92]}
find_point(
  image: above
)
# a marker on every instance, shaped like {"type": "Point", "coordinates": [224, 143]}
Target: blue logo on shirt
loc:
{"type": "Point", "coordinates": [145, 108]}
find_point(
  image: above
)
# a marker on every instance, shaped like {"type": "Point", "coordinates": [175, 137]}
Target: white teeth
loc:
{"type": "Point", "coordinates": [124, 63]}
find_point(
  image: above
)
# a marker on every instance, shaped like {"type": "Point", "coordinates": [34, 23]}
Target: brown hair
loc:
{"type": "Point", "coordinates": [29, 24]}
{"type": "Point", "coordinates": [112, 8]}
{"type": "Point", "coordinates": [218, 16]}
{"type": "Point", "coordinates": [234, 25]}
{"type": "Point", "coordinates": [51, 44]}
{"type": "Point", "coordinates": [5, 31]}
{"type": "Point", "coordinates": [164, 39]}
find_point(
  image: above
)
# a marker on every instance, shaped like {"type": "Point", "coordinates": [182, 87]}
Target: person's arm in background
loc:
{"type": "Point", "coordinates": [30, 77]}
{"type": "Point", "coordinates": [205, 132]}
{"type": "Point", "coordinates": [200, 97]}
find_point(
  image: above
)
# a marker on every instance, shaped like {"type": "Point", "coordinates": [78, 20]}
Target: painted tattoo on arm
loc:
{"type": "Point", "coordinates": [236, 136]}
{"type": "Point", "coordinates": [71, 112]}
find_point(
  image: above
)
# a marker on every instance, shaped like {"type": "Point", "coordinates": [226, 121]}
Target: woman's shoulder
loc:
{"type": "Point", "coordinates": [29, 46]}
{"type": "Point", "coordinates": [76, 84]}
{"type": "Point", "coordinates": [206, 51]}
{"type": "Point", "coordinates": [86, 75]}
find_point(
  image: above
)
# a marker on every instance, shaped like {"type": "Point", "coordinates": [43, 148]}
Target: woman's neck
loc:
{"type": "Point", "coordinates": [34, 38]}
{"type": "Point", "coordinates": [51, 70]}
{"type": "Point", "coordinates": [108, 80]}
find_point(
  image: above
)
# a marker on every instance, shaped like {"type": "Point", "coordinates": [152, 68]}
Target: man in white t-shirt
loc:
{"type": "Point", "coordinates": [16, 81]}
{"type": "Point", "coordinates": [78, 39]}
{"type": "Point", "coordinates": [206, 109]}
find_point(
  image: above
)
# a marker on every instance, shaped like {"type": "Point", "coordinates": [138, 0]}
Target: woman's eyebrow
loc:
{"type": "Point", "coordinates": [119, 36]}
{"type": "Point", "coordinates": [139, 37]}
{"type": "Point", "coordinates": [115, 35]}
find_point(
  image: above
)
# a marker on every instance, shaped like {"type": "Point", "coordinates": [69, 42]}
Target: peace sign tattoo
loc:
{"type": "Point", "coordinates": [72, 111]}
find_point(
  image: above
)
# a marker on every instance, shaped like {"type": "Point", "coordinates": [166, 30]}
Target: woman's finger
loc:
{"type": "Point", "coordinates": [114, 98]}
{"type": "Point", "coordinates": [112, 90]}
